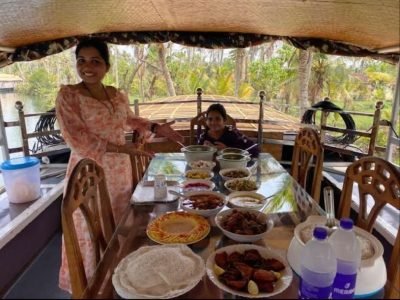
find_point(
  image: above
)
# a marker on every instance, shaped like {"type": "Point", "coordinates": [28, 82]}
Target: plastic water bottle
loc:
{"type": "Point", "coordinates": [348, 253]}
{"type": "Point", "coordinates": [318, 267]}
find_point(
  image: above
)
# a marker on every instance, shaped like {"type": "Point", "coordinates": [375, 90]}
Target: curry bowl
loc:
{"type": "Point", "coordinates": [198, 152]}
{"type": "Point", "coordinates": [243, 224]}
{"type": "Point", "coordinates": [199, 174]}
{"type": "Point", "coordinates": [233, 173]}
{"type": "Point", "coordinates": [204, 203]}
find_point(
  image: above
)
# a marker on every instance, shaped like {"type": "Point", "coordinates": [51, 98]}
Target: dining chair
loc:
{"type": "Point", "coordinates": [198, 123]}
{"type": "Point", "coordinates": [308, 152]}
{"type": "Point", "coordinates": [378, 179]}
{"type": "Point", "coordinates": [86, 199]}
{"type": "Point", "coordinates": [140, 160]}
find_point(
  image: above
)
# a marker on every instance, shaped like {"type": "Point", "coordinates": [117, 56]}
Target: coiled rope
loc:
{"type": "Point", "coordinates": [46, 123]}
{"type": "Point", "coordinates": [346, 138]}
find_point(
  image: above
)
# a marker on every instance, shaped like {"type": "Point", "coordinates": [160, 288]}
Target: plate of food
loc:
{"type": "Point", "coordinates": [192, 185]}
{"type": "Point", "coordinates": [158, 272]}
{"type": "Point", "coordinates": [232, 173]}
{"type": "Point", "coordinates": [239, 185]}
{"type": "Point", "coordinates": [243, 224]}
{"type": "Point", "coordinates": [202, 164]}
{"type": "Point", "coordinates": [199, 174]}
{"type": "Point", "coordinates": [178, 227]}
{"type": "Point", "coordinates": [249, 271]}
{"type": "Point", "coordinates": [204, 203]}
{"type": "Point", "coordinates": [247, 200]}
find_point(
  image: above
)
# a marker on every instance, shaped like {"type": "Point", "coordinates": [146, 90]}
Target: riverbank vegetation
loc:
{"type": "Point", "coordinates": [149, 72]}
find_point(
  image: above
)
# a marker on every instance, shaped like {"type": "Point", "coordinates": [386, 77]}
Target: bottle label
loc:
{"type": "Point", "coordinates": [309, 291]}
{"type": "Point", "coordinates": [344, 286]}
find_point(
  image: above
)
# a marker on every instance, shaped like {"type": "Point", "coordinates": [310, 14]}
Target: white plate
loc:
{"type": "Point", "coordinates": [281, 285]}
{"type": "Point", "coordinates": [161, 277]}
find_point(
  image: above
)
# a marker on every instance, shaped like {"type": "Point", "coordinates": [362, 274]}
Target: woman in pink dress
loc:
{"type": "Point", "coordinates": [93, 119]}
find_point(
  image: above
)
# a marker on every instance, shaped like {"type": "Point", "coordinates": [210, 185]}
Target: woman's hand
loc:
{"type": "Point", "coordinates": [166, 131]}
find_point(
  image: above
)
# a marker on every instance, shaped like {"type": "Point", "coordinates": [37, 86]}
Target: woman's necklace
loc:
{"type": "Point", "coordinates": [101, 101]}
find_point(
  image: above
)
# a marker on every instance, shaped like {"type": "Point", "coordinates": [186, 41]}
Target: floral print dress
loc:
{"type": "Point", "coordinates": [87, 125]}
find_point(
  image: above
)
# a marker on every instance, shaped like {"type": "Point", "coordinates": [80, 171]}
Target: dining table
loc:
{"type": "Point", "coordinates": [288, 205]}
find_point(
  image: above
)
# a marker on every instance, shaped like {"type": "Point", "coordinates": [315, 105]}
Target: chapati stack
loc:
{"type": "Point", "coordinates": [161, 272]}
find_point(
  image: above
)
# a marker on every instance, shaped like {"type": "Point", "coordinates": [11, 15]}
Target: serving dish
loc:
{"type": "Point", "coordinates": [202, 164]}
{"type": "Point", "coordinates": [247, 200]}
{"type": "Point", "coordinates": [286, 275]}
{"type": "Point", "coordinates": [233, 151]}
{"type": "Point", "coordinates": [233, 173]}
{"type": "Point", "coordinates": [198, 152]}
{"type": "Point", "coordinates": [199, 174]}
{"type": "Point", "coordinates": [204, 203]}
{"type": "Point", "coordinates": [158, 272]}
{"type": "Point", "coordinates": [241, 185]}
{"type": "Point", "coordinates": [178, 227]}
{"type": "Point", "coordinates": [192, 185]}
{"type": "Point", "coordinates": [232, 160]}
{"type": "Point", "coordinates": [243, 229]}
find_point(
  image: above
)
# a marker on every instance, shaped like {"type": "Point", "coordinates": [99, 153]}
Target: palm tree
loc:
{"type": "Point", "coordinates": [305, 62]}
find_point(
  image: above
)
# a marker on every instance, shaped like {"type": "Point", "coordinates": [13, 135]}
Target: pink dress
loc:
{"type": "Point", "coordinates": [87, 125]}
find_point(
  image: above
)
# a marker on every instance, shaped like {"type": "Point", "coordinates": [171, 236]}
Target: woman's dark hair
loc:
{"type": "Point", "coordinates": [219, 108]}
{"type": "Point", "coordinates": [96, 43]}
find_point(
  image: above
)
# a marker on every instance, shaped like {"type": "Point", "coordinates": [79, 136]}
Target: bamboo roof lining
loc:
{"type": "Point", "coordinates": [367, 24]}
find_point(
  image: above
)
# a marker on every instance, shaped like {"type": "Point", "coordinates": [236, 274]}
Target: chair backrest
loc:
{"type": "Point", "coordinates": [308, 150]}
{"type": "Point", "coordinates": [379, 179]}
{"type": "Point", "coordinates": [86, 196]}
{"type": "Point", "coordinates": [198, 123]}
{"type": "Point", "coordinates": [139, 161]}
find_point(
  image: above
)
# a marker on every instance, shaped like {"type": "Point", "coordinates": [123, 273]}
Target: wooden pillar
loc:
{"type": "Point", "coordinates": [25, 145]}
{"type": "Point", "coordinates": [261, 94]}
{"type": "Point", "coordinates": [199, 92]}
{"type": "Point", "coordinates": [375, 127]}
{"type": "Point", "coordinates": [136, 107]}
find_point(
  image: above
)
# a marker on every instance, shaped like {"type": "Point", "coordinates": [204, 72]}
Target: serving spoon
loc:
{"type": "Point", "coordinates": [175, 193]}
{"type": "Point", "coordinates": [251, 147]}
{"type": "Point", "coordinates": [329, 207]}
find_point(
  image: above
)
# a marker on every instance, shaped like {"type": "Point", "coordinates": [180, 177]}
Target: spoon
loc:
{"type": "Point", "coordinates": [251, 147]}
{"type": "Point", "coordinates": [175, 193]}
{"type": "Point", "coordinates": [178, 142]}
{"type": "Point", "coordinates": [329, 207]}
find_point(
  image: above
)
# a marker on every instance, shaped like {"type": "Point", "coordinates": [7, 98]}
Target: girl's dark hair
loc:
{"type": "Point", "coordinates": [219, 108]}
{"type": "Point", "coordinates": [96, 43]}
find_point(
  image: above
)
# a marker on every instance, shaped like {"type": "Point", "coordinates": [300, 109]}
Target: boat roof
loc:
{"type": "Point", "coordinates": [369, 24]}
{"type": "Point", "coordinates": [176, 107]}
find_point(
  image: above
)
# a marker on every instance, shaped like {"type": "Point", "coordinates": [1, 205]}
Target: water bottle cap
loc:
{"type": "Point", "coordinates": [320, 233]}
{"type": "Point", "coordinates": [346, 223]}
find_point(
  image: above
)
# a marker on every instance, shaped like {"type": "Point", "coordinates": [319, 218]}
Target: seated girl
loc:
{"type": "Point", "coordinates": [219, 135]}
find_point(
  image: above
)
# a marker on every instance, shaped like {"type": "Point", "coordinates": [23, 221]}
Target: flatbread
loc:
{"type": "Point", "coordinates": [158, 272]}
{"type": "Point", "coordinates": [178, 228]}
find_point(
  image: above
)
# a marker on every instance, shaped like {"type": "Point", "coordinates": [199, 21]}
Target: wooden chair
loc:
{"type": "Point", "coordinates": [140, 160]}
{"type": "Point", "coordinates": [308, 150]}
{"type": "Point", "coordinates": [380, 180]}
{"type": "Point", "coordinates": [86, 191]}
{"type": "Point", "coordinates": [200, 123]}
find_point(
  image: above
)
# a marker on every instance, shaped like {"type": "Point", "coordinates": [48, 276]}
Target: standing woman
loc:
{"type": "Point", "coordinates": [93, 119]}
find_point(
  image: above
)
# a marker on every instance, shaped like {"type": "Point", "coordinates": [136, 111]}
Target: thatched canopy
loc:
{"type": "Point", "coordinates": [333, 26]}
